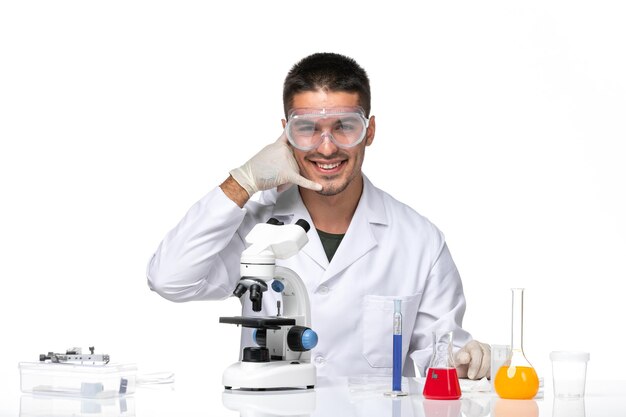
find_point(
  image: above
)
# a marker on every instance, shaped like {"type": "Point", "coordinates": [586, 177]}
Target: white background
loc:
{"type": "Point", "coordinates": [502, 122]}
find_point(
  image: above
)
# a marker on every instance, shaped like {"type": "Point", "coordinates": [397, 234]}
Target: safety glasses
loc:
{"type": "Point", "coordinates": [308, 127]}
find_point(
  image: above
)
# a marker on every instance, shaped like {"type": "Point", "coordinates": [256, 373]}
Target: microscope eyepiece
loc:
{"type": "Point", "coordinates": [240, 290]}
{"type": "Point", "coordinates": [256, 296]}
{"type": "Point", "coordinates": [255, 291]}
{"type": "Point", "coordinates": [304, 224]}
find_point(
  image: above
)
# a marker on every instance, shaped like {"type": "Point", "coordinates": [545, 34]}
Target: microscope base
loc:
{"type": "Point", "coordinates": [269, 375]}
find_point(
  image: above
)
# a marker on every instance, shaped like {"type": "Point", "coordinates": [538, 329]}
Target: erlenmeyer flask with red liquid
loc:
{"type": "Point", "coordinates": [442, 381]}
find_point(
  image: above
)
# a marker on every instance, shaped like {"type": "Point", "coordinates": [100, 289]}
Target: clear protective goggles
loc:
{"type": "Point", "coordinates": [344, 126]}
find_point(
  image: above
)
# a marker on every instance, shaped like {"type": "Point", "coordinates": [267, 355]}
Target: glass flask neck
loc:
{"type": "Point", "coordinates": [442, 350]}
{"type": "Point", "coordinates": [517, 320]}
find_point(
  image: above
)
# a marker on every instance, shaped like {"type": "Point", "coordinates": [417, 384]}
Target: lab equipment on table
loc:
{"type": "Point", "coordinates": [283, 358]}
{"type": "Point", "coordinates": [75, 355]}
{"type": "Point", "coordinates": [517, 379]}
{"type": "Point", "coordinates": [75, 374]}
{"type": "Point", "coordinates": [84, 376]}
{"type": "Point", "coordinates": [396, 377]}
{"type": "Point", "coordinates": [442, 381]}
{"type": "Point", "coordinates": [499, 355]}
{"type": "Point", "coordinates": [569, 372]}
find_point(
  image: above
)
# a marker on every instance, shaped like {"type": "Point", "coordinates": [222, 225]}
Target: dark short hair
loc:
{"type": "Point", "coordinates": [330, 71]}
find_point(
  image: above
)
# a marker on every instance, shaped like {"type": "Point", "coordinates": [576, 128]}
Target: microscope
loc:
{"type": "Point", "coordinates": [282, 359]}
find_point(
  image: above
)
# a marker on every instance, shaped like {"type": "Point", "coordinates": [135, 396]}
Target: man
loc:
{"type": "Point", "coordinates": [367, 249]}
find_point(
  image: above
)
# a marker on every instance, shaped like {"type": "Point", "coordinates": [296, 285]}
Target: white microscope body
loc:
{"type": "Point", "coordinates": [283, 358]}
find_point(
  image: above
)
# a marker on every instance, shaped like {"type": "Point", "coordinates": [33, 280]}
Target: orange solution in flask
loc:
{"type": "Point", "coordinates": [442, 381]}
{"type": "Point", "coordinates": [517, 379]}
{"type": "Point", "coordinates": [517, 382]}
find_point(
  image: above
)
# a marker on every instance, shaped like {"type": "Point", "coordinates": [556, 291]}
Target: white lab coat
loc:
{"type": "Point", "coordinates": [389, 252]}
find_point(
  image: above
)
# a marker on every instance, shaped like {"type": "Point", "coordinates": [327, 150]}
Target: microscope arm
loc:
{"type": "Point", "coordinates": [295, 295]}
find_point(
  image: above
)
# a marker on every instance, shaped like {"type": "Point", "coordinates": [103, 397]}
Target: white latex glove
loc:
{"type": "Point", "coordinates": [274, 166]}
{"type": "Point", "coordinates": [473, 361]}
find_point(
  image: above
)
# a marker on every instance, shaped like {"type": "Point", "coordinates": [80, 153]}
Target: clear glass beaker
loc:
{"type": "Point", "coordinates": [517, 379]}
{"type": "Point", "coordinates": [442, 381]}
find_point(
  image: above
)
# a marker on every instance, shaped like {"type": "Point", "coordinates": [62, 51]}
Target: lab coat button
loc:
{"type": "Point", "coordinates": [323, 289]}
{"type": "Point", "coordinates": [320, 360]}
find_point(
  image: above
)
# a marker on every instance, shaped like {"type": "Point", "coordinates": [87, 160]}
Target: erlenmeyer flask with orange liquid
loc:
{"type": "Point", "coordinates": [517, 379]}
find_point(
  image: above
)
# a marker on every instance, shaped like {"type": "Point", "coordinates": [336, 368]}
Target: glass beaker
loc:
{"type": "Point", "coordinates": [517, 379]}
{"type": "Point", "coordinates": [442, 381]}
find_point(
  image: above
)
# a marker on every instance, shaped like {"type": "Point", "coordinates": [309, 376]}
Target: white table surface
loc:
{"type": "Point", "coordinates": [336, 397]}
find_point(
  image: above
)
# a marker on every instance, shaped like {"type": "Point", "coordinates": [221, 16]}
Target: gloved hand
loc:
{"type": "Point", "coordinates": [473, 361]}
{"type": "Point", "coordinates": [273, 166]}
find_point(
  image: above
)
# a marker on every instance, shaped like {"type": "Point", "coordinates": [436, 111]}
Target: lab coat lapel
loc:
{"type": "Point", "coordinates": [360, 238]}
{"type": "Point", "coordinates": [289, 208]}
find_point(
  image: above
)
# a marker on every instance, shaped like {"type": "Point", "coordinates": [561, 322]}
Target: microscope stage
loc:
{"type": "Point", "coordinates": [259, 322]}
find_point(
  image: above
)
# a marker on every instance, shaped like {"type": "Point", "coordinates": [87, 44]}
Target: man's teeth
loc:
{"type": "Point", "coordinates": [328, 166]}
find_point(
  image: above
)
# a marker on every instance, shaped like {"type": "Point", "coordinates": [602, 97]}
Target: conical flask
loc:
{"type": "Point", "coordinates": [442, 381]}
{"type": "Point", "coordinates": [517, 379]}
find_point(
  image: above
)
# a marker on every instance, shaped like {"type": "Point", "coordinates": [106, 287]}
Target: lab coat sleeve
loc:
{"type": "Point", "coordinates": [199, 258]}
{"type": "Point", "coordinates": [441, 309]}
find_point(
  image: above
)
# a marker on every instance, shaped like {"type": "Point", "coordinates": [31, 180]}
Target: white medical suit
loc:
{"type": "Point", "coordinates": [389, 252]}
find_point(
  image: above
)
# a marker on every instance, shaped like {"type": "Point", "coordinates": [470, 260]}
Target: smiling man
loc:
{"type": "Point", "coordinates": [366, 251]}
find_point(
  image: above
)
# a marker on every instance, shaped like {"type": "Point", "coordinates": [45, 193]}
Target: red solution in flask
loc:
{"type": "Point", "coordinates": [442, 384]}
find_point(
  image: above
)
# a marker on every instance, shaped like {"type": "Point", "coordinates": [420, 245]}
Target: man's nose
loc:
{"type": "Point", "coordinates": [327, 146]}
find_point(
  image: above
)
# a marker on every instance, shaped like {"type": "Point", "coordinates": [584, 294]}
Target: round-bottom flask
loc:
{"type": "Point", "coordinates": [517, 379]}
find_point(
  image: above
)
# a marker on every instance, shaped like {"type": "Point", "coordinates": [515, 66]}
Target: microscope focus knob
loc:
{"type": "Point", "coordinates": [260, 337]}
{"type": "Point", "coordinates": [301, 339]}
{"type": "Point", "coordinates": [278, 286]}
{"type": "Point", "coordinates": [256, 354]}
